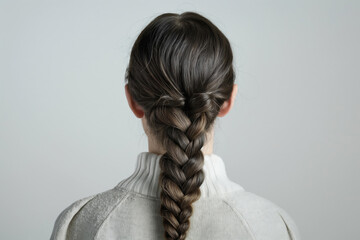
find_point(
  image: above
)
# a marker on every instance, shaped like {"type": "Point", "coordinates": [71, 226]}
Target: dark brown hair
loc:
{"type": "Point", "coordinates": [180, 72]}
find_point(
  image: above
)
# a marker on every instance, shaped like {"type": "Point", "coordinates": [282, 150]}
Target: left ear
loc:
{"type": "Point", "coordinates": [227, 105]}
{"type": "Point", "coordinates": [136, 108]}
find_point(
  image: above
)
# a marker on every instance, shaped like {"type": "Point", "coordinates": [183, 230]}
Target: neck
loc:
{"type": "Point", "coordinates": [207, 149]}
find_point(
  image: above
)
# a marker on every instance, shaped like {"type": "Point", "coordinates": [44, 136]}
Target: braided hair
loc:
{"type": "Point", "coordinates": [180, 72]}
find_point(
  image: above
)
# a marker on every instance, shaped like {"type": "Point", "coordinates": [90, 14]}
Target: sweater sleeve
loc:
{"type": "Point", "coordinates": [290, 225]}
{"type": "Point", "coordinates": [64, 218]}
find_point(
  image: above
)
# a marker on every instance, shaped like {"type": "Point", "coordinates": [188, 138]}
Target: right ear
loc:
{"type": "Point", "coordinates": [135, 108]}
{"type": "Point", "coordinates": [227, 105]}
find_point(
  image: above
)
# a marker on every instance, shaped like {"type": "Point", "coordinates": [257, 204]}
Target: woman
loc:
{"type": "Point", "coordinates": [180, 78]}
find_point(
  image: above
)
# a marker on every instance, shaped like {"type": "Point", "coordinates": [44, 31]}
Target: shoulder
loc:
{"type": "Point", "coordinates": [63, 219]}
{"type": "Point", "coordinates": [264, 218]}
{"type": "Point", "coordinates": [82, 213]}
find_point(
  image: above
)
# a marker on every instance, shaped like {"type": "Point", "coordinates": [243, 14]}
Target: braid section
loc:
{"type": "Point", "coordinates": [181, 166]}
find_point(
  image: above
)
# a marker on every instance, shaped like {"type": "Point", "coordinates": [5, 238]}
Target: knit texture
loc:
{"type": "Point", "coordinates": [130, 210]}
{"type": "Point", "coordinates": [145, 179]}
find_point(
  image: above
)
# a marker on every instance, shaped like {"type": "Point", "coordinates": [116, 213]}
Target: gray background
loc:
{"type": "Point", "coordinates": [66, 130]}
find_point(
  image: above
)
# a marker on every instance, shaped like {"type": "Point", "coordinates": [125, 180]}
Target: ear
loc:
{"type": "Point", "coordinates": [227, 105]}
{"type": "Point", "coordinates": [136, 108]}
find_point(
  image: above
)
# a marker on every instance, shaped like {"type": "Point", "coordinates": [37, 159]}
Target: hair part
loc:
{"type": "Point", "coordinates": [180, 72]}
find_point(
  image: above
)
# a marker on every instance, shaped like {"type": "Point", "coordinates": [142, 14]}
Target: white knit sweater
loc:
{"type": "Point", "coordinates": [131, 210]}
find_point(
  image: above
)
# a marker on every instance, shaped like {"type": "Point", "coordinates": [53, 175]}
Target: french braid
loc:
{"type": "Point", "coordinates": [181, 166]}
{"type": "Point", "coordinates": [180, 72]}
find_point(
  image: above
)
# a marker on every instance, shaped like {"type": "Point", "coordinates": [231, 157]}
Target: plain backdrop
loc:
{"type": "Point", "coordinates": [293, 135]}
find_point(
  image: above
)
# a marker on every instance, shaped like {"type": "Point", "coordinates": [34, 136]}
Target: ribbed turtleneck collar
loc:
{"type": "Point", "coordinates": [145, 178]}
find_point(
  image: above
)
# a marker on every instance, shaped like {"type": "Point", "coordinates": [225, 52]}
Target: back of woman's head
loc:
{"type": "Point", "coordinates": [180, 72]}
